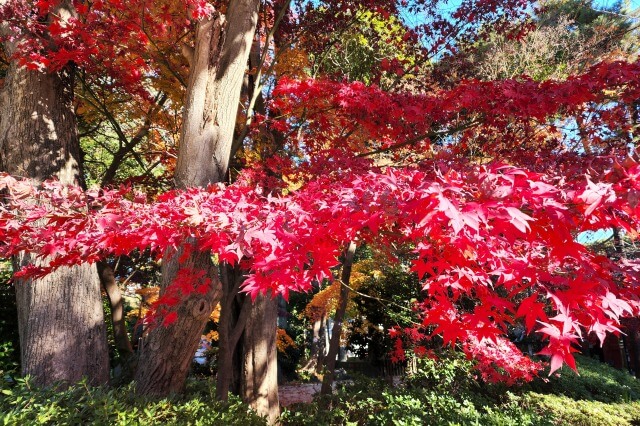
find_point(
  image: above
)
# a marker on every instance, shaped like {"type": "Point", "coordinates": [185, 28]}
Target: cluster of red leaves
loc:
{"type": "Point", "coordinates": [121, 40]}
{"type": "Point", "coordinates": [362, 118]}
{"type": "Point", "coordinates": [499, 360]}
{"type": "Point", "coordinates": [496, 359]}
{"type": "Point", "coordinates": [501, 236]}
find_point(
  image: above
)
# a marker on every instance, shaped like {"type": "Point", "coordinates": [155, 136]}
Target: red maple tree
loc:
{"type": "Point", "coordinates": [498, 227]}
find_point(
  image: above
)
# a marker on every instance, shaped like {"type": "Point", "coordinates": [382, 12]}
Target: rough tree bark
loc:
{"type": "Point", "coordinates": [235, 309]}
{"type": "Point", "coordinates": [247, 357]}
{"type": "Point", "coordinates": [259, 379]}
{"type": "Point", "coordinates": [247, 361]}
{"type": "Point", "coordinates": [336, 331]}
{"type": "Point", "coordinates": [60, 317]}
{"type": "Point", "coordinates": [217, 66]}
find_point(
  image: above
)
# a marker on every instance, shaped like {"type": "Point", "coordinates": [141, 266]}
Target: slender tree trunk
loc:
{"type": "Point", "coordinates": [316, 353]}
{"type": "Point", "coordinates": [318, 348]}
{"type": "Point", "coordinates": [218, 63]}
{"type": "Point", "coordinates": [60, 317]}
{"type": "Point", "coordinates": [322, 343]}
{"type": "Point", "coordinates": [334, 343]}
{"type": "Point", "coordinates": [120, 333]}
{"type": "Point", "coordinates": [617, 243]}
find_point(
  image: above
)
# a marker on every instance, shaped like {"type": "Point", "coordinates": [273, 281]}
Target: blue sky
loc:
{"type": "Point", "coordinates": [634, 4]}
{"type": "Point", "coordinates": [453, 4]}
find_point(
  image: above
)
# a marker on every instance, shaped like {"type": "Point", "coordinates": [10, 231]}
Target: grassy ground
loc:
{"type": "Point", "coordinates": [443, 393]}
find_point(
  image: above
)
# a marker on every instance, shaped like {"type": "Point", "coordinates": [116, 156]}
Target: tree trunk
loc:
{"type": "Point", "coordinates": [259, 379]}
{"type": "Point", "coordinates": [235, 309]}
{"type": "Point", "coordinates": [318, 346]}
{"type": "Point", "coordinates": [120, 333]}
{"type": "Point", "coordinates": [247, 362]}
{"type": "Point", "coordinates": [167, 351]}
{"type": "Point", "coordinates": [60, 317]}
{"type": "Point", "coordinates": [322, 343]}
{"type": "Point", "coordinates": [218, 63]}
{"type": "Point", "coordinates": [334, 343]}
{"type": "Point", "coordinates": [247, 356]}
{"type": "Point", "coordinates": [617, 243]}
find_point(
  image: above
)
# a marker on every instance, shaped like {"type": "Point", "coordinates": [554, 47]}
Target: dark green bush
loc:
{"type": "Point", "coordinates": [22, 404]}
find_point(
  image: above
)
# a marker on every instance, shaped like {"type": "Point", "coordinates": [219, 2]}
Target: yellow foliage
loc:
{"type": "Point", "coordinates": [212, 336]}
{"type": "Point", "coordinates": [293, 62]}
{"type": "Point", "coordinates": [215, 315]}
{"type": "Point", "coordinates": [284, 341]}
{"type": "Point", "coordinates": [149, 295]}
{"type": "Point", "coordinates": [324, 301]}
{"type": "Point", "coordinates": [327, 299]}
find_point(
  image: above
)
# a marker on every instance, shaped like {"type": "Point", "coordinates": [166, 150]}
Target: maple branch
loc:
{"type": "Point", "coordinates": [100, 106]}
{"type": "Point", "coordinates": [129, 145]}
{"type": "Point", "coordinates": [166, 62]}
{"type": "Point", "coordinates": [428, 135]}
{"type": "Point", "coordinates": [318, 64]}
{"type": "Point", "coordinates": [90, 131]}
{"type": "Point", "coordinates": [383, 302]}
{"type": "Point", "coordinates": [259, 85]}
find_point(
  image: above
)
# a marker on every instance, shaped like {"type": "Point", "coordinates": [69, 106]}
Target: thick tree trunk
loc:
{"type": "Point", "coordinates": [167, 352]}
{"type": "Point", "coordinates": [60, 317]}
{"type": "Point", "coordinates": [218, 63]}
{"type": "Point", "coordinates": [334, 343]}
{"type": "Point", "coordinates": [235, 309]}
{"type": "Point", "coordinates": [247, 356]}
{"type": "Point", "coordinates": [259, 380]}
{"type": "Point", "coordinates": [247, 361]}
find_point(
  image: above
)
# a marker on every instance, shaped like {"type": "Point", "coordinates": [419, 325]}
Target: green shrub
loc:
{"type": "Point", "coordinates": [451, 373]}
{"type": "Point", "coordinates": [445, 392]}
{"type": "Point", "coordinates": [594, 381]}
{"type": "Point", "coordinates": [23, 404]}
{"type": "Point", "coordinates": [373, 402]}
{"type": "Point", "coordinates": [567, 411]}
